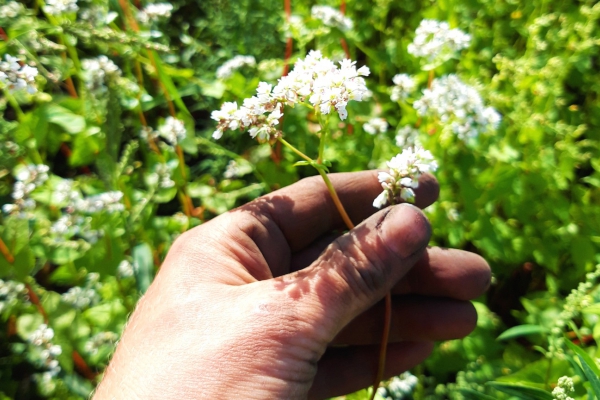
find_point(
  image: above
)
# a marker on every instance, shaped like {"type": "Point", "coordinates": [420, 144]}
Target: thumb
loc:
{"type": "Point", "coordinates": [360, 267]}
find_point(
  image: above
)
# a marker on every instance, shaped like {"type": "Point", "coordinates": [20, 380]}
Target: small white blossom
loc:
{"type": "Point", "coordinates": [407, 136]}
{"type": "Point", "coordinates": [403, 87]}
{"type": "Point", "coordinates": [41, 339]}
{"type": "Point", "coordinates": [125, 269]}
{"type": "Point", "coordinates": [11, 294]}
{"type": "Point", "coordinates": [459, 105]}
{"type": "Point", "coordinates": [100, 339]}
{"type": "Point", "coordinates": [172, 130]}
{"type": "Point", "coordinates": [563, 388]}
{"type": "Point", "coordinates": [58, 7]}
{"type": "Point", "coordinates": [12, 9]}
{"type": "Point", "coordinates": [108, 201]}
{"type": "Point", "coordinates": [435, 39]}
{"type": "Point", "coordinates": [80, 298]}
{"type": "Point", "coordinates": [237, 62]}
{"type": "Point", "coordinates": [15, 77]}
{"type": "Point", "coordinates": [28, 178]}
{"type": "Point", "coordinates": [96, 71]}
{"type": "Point", "coordinates": [376, 125]}
{"type": "Point", "coordinates": [399, 387]}
{"type": "Point", "coordinates": [155, 11]}
{"type": "Point", "coordinates": [403, 175]}
{"type": "Point", "coordinates": [331, 17]}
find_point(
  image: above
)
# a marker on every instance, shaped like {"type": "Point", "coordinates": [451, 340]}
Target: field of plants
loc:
{"type": "Point", "coordinates": [124, 123]}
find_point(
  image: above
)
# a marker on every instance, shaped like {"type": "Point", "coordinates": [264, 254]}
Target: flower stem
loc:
{"type": "Point", "coordinates": [336, 200]}
{"type": "Point", "coordinates": [384, 342]}
{"type": "Point", "coordinates": [295, 150]}
{"type": "Point", "coordinates": [6, 252]}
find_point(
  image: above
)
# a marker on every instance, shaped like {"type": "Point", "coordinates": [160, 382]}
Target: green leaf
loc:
{"type": "Point", "coordinates": [521, 330]}
{"type": "Point", "coordinates": [583, 355]}
{"type": "Point", "coordinates": [65, 118]}
{"type": "Point", "coordinates": [593, 309]}
{"type": "Point", "coordinates": [473, 394]}
{"type": "Point", "coordinates": [143, 266]}
{"type": "Point", "coordinates": [27, 324]}
{"type": "Point", "coordinates": [521, 391]}
{"type": "Point", "coordinates": [591, 376]}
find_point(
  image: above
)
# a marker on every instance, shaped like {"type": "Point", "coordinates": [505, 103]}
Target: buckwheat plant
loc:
{"type": "Point", "coordinates": [563, 388]}
{"type": "Point", "coordinates": [331, 17]}
{"type": "Point", "coordinates": [436, 42]}
{"type": "Point", "coordinates": [237, 62]}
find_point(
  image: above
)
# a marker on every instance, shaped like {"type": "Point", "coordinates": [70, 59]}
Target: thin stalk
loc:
{"type": "Point", "coordinates": [15, 105]}
{"type": "Point", "coordinates": [6, 252]}
{"type": "Point", "coordinates": [295, 150]}
{"type": "Point", "coordinates": [336, 200]}
{"type": "Point", "coordinates": [384, 343]}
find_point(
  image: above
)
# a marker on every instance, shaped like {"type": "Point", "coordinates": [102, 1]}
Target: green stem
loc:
{"type": "Point", "coordinates": [336, 199]}
{"type": "Point", "coordinates": [295, 150]}
{"type": "Point", "coordinates": [322, 139]}
{"type": "Point", "coordinates": [15, 105]}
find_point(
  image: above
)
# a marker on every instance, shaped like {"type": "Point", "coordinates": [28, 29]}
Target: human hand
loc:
{"type": "Point", "coordinates": [271, 301]}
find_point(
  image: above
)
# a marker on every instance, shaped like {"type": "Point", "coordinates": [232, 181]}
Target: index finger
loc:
{"type": "Point", "coordinates": [305, 210]}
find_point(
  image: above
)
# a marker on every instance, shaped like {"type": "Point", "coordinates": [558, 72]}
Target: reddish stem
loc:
{"type": "Point", "coordinates": [3, 35]}
{"type": "Point", "coordinates": [6, 252]}
{"type": "Point", "coordinates": [384, 343]}
{"type": "Point", "coordinates": [35, 300]}
{"type": "Point", "coordinates": [82, 367]}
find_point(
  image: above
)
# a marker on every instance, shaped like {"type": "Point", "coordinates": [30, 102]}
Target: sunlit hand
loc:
{"type": "Point", "coordinates": [272, 301]}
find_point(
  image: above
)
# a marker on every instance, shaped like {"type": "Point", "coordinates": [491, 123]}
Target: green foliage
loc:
{"type": "Point", "coordinates": [132, 166]}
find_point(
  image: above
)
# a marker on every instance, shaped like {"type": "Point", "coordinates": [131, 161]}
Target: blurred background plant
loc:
{"type": "Point", "coordinates": [106, 157]}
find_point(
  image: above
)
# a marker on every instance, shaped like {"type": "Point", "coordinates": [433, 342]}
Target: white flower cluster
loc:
{"type": "Point", "coordinates": [435, 39]}
{"type": "Point", "coordinates": [407, 136]}
{"type": "Point", "coordinates": [107, 201]}
{"type": "Point", "coordinates": [563, 388]}
{"type": "Point", "coordinates": [403, 176]}
{"type": "Point", "coordinates": [12, 9]}
{"type": "Point", "coordinates": [28, 179]}
{"type": "Point", "coordinates": [11, 293]}
{"type": "Point", "coordinates": [83, 297]}
{"type": "Point", "coordinates": [376, 125]}
{"type": "Point", "coordinates": [315, 78]}
{"type": "Point", "coordinates": [172, 130]}
{"type": "Point", "coordinates": [41, 339]}
{"type": "Point", "coordinates": [100, 339]}
{"type": "Point", "coordinates": [237, 62]}
{"type": "Point", "coordinates": [399, 387]}
{"type": "Point", "coordinates": [155, 11]}
{"type": "Point", "coordinates": [331, 17]}
{"type": "Point", "coordinates": [161, 176]}
{"type": "Point", "coordinates": [58, 7]}
{"type": "Point", "coordinates": [453, 101]}
{"type": "Point", "coordinates": [71, 225]}
{"type": "Point", "coordinates": [125, 269]}
{"type": "Point", "coordinates": [403, 86]}
{"type": "Point", "coordinates": [97, 70]}
{"type": "Point", "coordinates": [15, 77]}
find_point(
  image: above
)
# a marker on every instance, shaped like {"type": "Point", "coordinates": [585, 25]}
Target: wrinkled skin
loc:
{"type": "Point", "coordinates": [273, 301]}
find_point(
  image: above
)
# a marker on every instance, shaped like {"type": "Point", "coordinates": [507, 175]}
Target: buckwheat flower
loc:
{"type": "Point", "coordinates": [403, 87]}
{"type": "Point", "coordinates": [41, 339]}
{"type": "Point", "coordinates": [563, 388]}
{"type": "Point", "coordinates": [97, 71]}
{"type": "Point", "coordinates": [237, 62]}
{"type": "Point", "coordinates": [399, 387]}
{"type": "Point", "coordinates": [100, 339]}
{"type": "Point", "coordinates": [155, 11]}
{"type": "Point", "coordinates": [15, 77]}
{"type": "Point", "coordinates": [10, 10]}
{"type": "Point", "coordinates": [58, 7]}
{"type": "Point", "coordinates": [172, 130]}
{"type": "Point", "coordinates": [12, 293]}
{"type": "Point", "coordinates": [407, 136]}
{"type": "Point", "coordinates": [376, 125]}
{"type": "Point", "coordinates": [108, 201]}
{"type": "Point", "coordinates": [125, 269]}
{"type": "Point", "coordinates": [331, 17]}
{"type": "Point", "coordinates": [80, 298]}
{"type": "Point", "coordinates": [403, 175]}
{"type": "Point", "coordinates": [459, 105]}
{"type": "Point", "coordinates": [435, 39]}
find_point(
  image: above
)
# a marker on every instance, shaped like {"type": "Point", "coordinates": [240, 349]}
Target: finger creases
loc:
{"type": "Point", "coordinates": [358, 268]}
{"type": "Point", "coordinates": [414, 318]}
{"type": "Point", "coordinates": [305, 210]}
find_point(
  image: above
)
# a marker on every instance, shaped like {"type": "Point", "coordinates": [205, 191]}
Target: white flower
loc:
{"type": "Point", "coordinates": [155, 11]}
{"type": "Point", "coordinates": [98, 70]}
{"type": "Point", "coordinates": [403, 86]}
{"type": "Point", "coordinates": [331, 17]}
{"type": "Point", "coordinates": [237, 62]}
{"type": "Point", "coordinates": [376, 125]}
{"type": "Point", "coordinates": [407, 136]}
{"type": "Point", "coordinates": [459, 105]}
{"type": "Point", "coordinates": [41, 338]}
{"type": "Point", "coordinates": [100, 339]}
{"type": "Point", "coordinates": [125, 269]}
{"type": "Point", "coordinates": [80, 298]}
{"type": "Point", "coordinates": [403, 175]}
{"type": "Point", "coordinates": [173, 130]}
{"type": "Point", "coordinates": [563, 388]}
{"type": "Point", "coordinates": [315, 78]}
{"type": "Point", "coordinates": [58, 7]}
{"type": "Point", "coordinates": [11, 10]}
{"type": "Point", "coordinates": [13, 77]}
{"type": "Point", "coordinates": [434, 39]}
{"type": "Point", "coordinates": [108, 201]}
